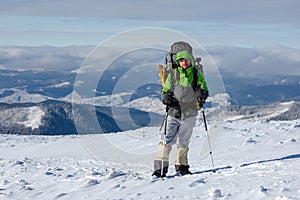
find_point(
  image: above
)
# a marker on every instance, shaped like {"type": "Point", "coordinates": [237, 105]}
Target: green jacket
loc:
{"type": "Point", "coordinates": [180, 84]}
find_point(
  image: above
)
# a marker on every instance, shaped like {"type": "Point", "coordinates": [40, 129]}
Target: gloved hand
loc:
{"type": "Point", "coordinates": [167, 98]}
{"type": "Point", "coordinates": [201, 95]}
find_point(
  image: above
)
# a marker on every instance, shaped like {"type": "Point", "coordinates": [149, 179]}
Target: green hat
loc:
{"type": "Point", "coordinates": [186, 55]}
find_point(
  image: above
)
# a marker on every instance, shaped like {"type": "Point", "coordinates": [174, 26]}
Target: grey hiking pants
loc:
{"type": "Point", "coordinates": [179, 133]}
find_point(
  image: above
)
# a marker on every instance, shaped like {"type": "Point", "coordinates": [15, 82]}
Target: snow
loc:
{"type": "Point", "coordinates": [147, 104]}
{"type": "Point", "coordinates": [34, 117]}
{"type": "Point", "coordinates": [63, 84]}
{"type": "Point", "coordinates": [253, 159]}
{"type": "Point", "coordinates": [105, 100]}
{"type": "Point", "coordinates": [28, 116]}
{"type": "Point", "coordinates": [21, 96]}
{"type": "Point", "coordinates": [222, 99]}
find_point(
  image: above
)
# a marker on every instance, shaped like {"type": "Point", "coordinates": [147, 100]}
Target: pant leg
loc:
{"type": "Point", "coordinates": [185, 132]}
{"type": "Point", "coordinates": [184, 135]}
{"type": "Point", "coordinates": [164, 148]}
{"type": "Point", "coordinates": [181, 156]}
{"type": "Point", "coordinates": [162, 157]}
{"type": "Point", "coordinates": [173, 126]}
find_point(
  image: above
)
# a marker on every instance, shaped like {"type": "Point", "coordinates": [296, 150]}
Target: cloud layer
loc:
{"type": "Point", "coordinates": [42, 58]}
{"type": "Point", "coordinates": [250, 62]}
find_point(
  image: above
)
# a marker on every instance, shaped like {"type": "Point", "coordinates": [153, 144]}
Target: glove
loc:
{"type": "Point", "coordinates": [167, 98]}
{"type": "Point", "coordinates": [201, 95]}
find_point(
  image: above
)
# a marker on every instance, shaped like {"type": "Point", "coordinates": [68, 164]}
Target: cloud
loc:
{"type": "Point", "coordinates": [243, 62]}
{"type": "Point", "coordinates": [252, 62]}
{"type": "Point", "coordinates": [230, 11]}
{"type": "Point", "coordinates": [44, 57]}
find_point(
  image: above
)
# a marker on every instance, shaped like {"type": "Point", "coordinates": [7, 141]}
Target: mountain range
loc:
{"type": "Point", "coordinates": [44, 100]}
{"type": "Point", "coordinates": [61, 117]}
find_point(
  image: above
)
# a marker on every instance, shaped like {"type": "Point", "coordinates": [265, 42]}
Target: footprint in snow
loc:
{"type": "Point", "coordinates": [197, 182]}
{"type": "Point", "coordinates": [92, 182]}
{"type": "Point", "coordinates": [249, 141]}
{"type": "Point", "coordinates": [60, 195]}
{"type": "Point", "coordinates": [215, 193]}
{"type": "Point", "coordinates": [113, 174]}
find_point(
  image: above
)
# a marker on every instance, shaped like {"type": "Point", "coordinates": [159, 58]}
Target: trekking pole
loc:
{"type": "Point", "coordinates": [164, 121]}
{"type": "Point", "coordinates": [164, 140]}
{"type": "Point", "coordinates": [208, 140]}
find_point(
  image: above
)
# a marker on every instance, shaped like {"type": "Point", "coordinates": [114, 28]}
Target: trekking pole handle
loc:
{"type": "Point", "coordinates": [204, 119]}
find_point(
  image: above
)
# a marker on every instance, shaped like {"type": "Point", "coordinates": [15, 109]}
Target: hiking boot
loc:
{"type": "Point", "coordinates": [182, 170]}
{"type": "Point", "coordinates": [158, 174]}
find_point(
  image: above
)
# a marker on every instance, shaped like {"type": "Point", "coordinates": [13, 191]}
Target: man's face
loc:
{"type": "Point", "coordinates": [184, 63]}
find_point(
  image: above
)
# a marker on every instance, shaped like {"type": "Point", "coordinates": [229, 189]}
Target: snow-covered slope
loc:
{"type": "Point", "coordinates": [105, 100]}
{"type": "Point", "coordinates": [147, 103]}
{"type": "Point", "coordinates": [254, 160]}
{"type": "Point", "coordinates": [21, 96]}
{"type": "Point", "coordinates": [276, 111]}
{"type": "Point", "coordinates": [28, 116]}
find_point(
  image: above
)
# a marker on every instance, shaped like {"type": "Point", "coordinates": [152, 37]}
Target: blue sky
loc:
{"type": "Point", "coordinates": [259, 23]}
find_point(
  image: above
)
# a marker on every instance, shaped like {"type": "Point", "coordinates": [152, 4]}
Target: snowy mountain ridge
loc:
{"type": "Point", "coordinates": [276, 112]}
{"type": "Point", "coordinates": [21, 96]}
{"type": "Point", "coordinates": [37, 118]}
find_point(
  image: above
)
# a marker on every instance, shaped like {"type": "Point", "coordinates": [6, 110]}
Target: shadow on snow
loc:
{"type": "Point", "coordinates": [294, 156]}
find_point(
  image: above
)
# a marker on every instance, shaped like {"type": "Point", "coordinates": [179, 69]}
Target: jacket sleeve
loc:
{"type": "Point", "coordinates": [202, 82]}
{"type": "Point", "coordinates": [168, 85]}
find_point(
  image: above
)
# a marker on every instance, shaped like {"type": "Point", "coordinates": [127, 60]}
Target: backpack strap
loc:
{"type": "Point", "coordinates": [195, 79]}
{"type": "Point", "coordinates": [174, 78]}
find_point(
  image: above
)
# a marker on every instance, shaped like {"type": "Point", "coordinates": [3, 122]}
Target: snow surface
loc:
{"type": "Point", "coordinates": [254, 160]}
{"type": "Point", "coordinates": [28, 116]}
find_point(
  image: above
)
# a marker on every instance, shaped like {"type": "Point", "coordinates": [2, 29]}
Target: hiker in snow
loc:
{"type": "Point", "coordinates": [183, 89]}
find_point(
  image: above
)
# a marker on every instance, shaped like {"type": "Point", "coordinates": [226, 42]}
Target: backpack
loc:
{"type": "Point", "coordinates": [170, 62]}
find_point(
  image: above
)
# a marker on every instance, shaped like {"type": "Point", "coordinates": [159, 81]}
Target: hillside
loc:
{"type": "Point", "coordinates": [53, 117]}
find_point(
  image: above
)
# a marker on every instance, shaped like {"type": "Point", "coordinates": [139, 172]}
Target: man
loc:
{"type": "Point", "coordinates": [184, 88]}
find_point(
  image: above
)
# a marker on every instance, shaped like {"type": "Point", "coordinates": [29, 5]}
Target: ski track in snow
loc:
{"type": "Point", "coordinates": [254, 160]}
